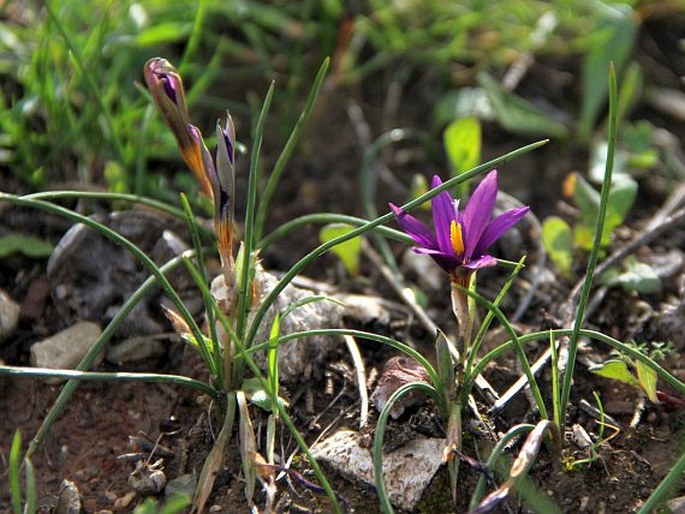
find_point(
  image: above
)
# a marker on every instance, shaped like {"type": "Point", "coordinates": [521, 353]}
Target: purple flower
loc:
{"type": "Point", "coordinates": [461, 239]}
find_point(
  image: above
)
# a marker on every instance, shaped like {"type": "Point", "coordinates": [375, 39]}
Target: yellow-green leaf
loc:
{"type": "Point", "coordinates": [647, 377]}
{"type": "Point", "coordinates": [349, 251]}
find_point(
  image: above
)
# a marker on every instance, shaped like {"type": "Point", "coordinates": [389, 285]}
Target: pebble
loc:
{"type": "Point", "coordinates": [9, 315]}
{"type": "Point", "coordinates": [123, 502]}
{"type": "Point", "coordinates": [407, 470]}
{"type": "Point", "coordinates": [69, 501]}
{"type": "Point", "coordinates": [65, 349]}
{"type": "Point", "coordinates": [134, 349]}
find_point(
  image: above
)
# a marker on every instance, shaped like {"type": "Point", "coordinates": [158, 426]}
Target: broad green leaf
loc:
{"type": "Point", "coordinates": [621, 199]}
{"type": "Point", "coordinates": [30, 246]}
{"type": "Point", "coordinates": [616, 370]}
{"type": "Point", "coordinates": [617, 27]}
{"type": "Point", "coordinates": [116, 177]}
{"type": "Point", "coordinates": [647, 377]}
{"type": "Point", "coordinates": [638, 136]}
{"type": "Point", "coordinates": [462, 141]}
{"type": "Point", "coordinates": [259, 396]}
{"type": "Point", "coordinates": [463, 103]}
{"type": "Point", "coordinates": [638, 276]}
{"type": "Point", "coordinates": [557, 239]}
{"type": "Point", "coordinates": [349, 251]}
{"type": "Point", "coordinates": [516, 114]}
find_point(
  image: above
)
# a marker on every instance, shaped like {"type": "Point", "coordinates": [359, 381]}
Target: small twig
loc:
{"type": "Point", "coordinates": [361, 378]}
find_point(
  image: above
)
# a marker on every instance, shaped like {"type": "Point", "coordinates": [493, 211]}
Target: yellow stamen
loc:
{"type": "Point", "coordinates": [456, 238]}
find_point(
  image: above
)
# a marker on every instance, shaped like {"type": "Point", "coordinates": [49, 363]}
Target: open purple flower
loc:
{"type": "Point", "coordinates": [461, 239]}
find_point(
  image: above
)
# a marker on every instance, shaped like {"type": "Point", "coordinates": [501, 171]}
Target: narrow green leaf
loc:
{"type": "Point", "coordinates": [272, 354]}
{"type": "Point", "coordinates": [557, 239]}
{"type": "Point", "coordinates": [348, 251]}
{"type": "Point", "coordinates": [616, 370]}
{"type": "Point", "coordinates": [516, 114]}
{"type": "Point", "coordinates": [15, 485]}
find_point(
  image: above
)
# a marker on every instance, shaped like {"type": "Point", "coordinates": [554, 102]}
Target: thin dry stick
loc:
{"type": "Point", "coordinates": [361, 378]}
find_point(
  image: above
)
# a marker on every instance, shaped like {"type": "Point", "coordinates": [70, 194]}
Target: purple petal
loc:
{"type": "Point", "coordinates": [497, 227]}
{"type": "Point", "coordinates": [484, 261]}
{"type": "Point", "coordinates": [443, 215]}
{"type": "Point", "coordinates": [414, 228]}
{"type": "Point", "coordinates": [447, 261]}
{"type": "Point", "coordinates": [478, 211]}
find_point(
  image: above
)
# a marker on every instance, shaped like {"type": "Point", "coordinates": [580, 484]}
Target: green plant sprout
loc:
{"type": "Point", "coordinates": [561, 241]}
{"type": "Point", "coordinates": [633, 371]}
{"type": "Point", "coordinates": [574, 464]}
{"type": "Point", "coordinates": [14, 471]}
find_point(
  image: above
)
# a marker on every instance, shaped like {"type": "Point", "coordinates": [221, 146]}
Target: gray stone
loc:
{"type": "Point", "coordinates": [9, 315]}
{"type": "Point", "coordinates": [65, 349]}
{"type": "Point", "coordinates": [92, 276]}
{"type": "Point", "coordinates": [407, 470]}
{"type": "Point", "coordinates": [295, 355]}
{"type": "Point", "coordinates": [134, 349]}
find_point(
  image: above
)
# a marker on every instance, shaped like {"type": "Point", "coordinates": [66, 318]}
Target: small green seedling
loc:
{"type": "Point", "coordinates": [574, 464]}
{"type": "Point", "coordinates": [561, 240]}
{"type": "Point", "coordinates": [633, 372]}
{"type": "Point", "coordinates": [635, 276]}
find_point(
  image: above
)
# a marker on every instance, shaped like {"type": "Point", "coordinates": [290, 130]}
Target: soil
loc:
{"type": "Point", "coordinates": [91, 444]}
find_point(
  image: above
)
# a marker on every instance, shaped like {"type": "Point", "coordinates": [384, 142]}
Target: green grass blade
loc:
{"type": "Point", "coordinates": [368, 190]}
{"type": "Point", "coordinates": [31, 494]}
{"type": "Point", "coordinates": [518, 347]}
{"type": "Point", "coordinates": [478, 340]}
{"type": "Point", "coordinates": [250, 228]}
{"type": "Point", "coordinates": [596, 247]}
{"type": "Point", "coordinates": [671, 481]}
{"type": "Point", "coordinates": [15, 483]}
{"type": "Point", "coordinates": [288, 149]}
{"type": "Point", "coordinates": [90, 81]}
{"type": "Point", "coordinates": [199, 257]}
{"type": "Point", "coordinates": [386, 506]}
{"type": "Point", "coordinates": [326, 218]}
{"type": "Point", "coordinates": [494, 456]}
{"type": "Point", "coordinates": [71, 374]}
{"type": "Point", "coordinates": [195, 35]}
{"type": "Point", "coordinates": [592, 334]}
{"type": "Point", "coordinates": [360, 334]}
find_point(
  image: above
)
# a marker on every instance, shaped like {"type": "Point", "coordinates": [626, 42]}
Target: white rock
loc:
{"type": "Point", "coordinates": [407, 470]}
{"type": "Point", "coordinates": [9, 315]}
{"type": "Point", "coordinates": [65, 349]}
